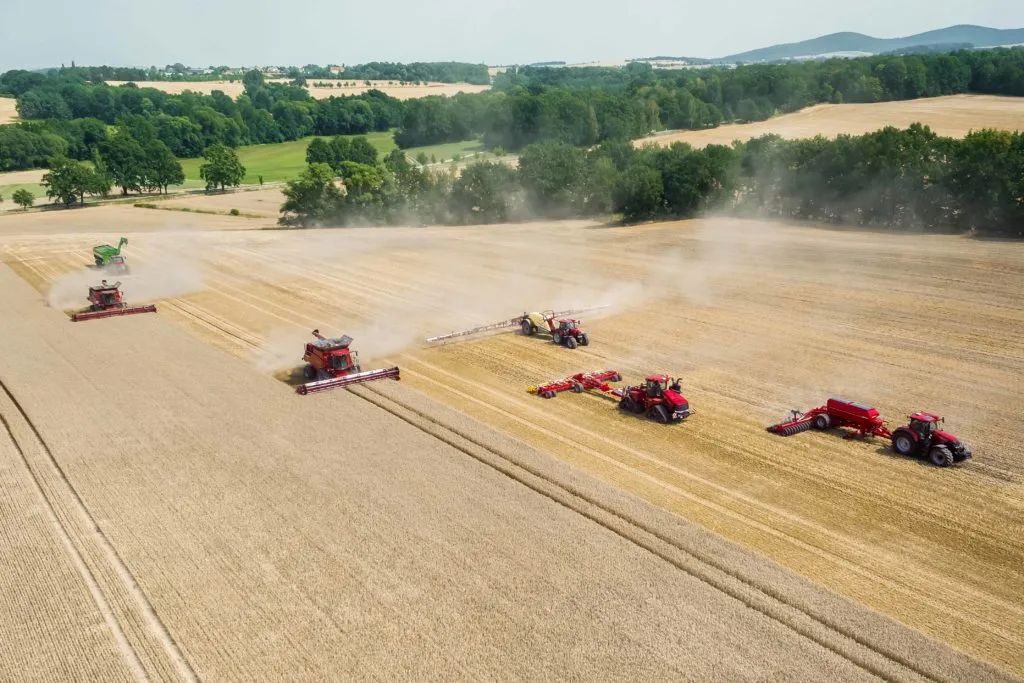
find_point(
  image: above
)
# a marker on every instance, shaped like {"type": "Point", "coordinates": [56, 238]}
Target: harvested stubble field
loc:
{"type": "Point", "coordinates": [333, 527]}
{"type": "Point", "coordinates": [8, 110]}
{"type": "Point", "coordinates": [392, 88]}
{"type": "Point", "coordinates": [953, 116]}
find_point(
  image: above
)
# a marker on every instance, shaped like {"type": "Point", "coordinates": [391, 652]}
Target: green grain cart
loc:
{"type": "Point", "coordinates": [105, 255]}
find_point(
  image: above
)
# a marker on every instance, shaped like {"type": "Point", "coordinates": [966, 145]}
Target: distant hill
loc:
{"type": "Point", "coordinates": [976, 36]}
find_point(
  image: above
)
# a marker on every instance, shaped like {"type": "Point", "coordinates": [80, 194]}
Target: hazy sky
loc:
{"type": "Point", "coordinates": [34, 33]}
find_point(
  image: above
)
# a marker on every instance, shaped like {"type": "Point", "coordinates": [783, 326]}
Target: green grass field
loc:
{"type": "Point", "coordinates": [277, 161]}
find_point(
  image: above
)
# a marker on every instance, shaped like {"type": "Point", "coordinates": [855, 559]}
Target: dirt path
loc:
{"type": "Point", "coordinates": [954, 116]}
{"type": "Point", "coordinates": [8, 110]}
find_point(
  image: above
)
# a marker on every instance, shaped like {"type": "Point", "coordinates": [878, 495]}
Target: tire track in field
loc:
{"type": "Point", "coordinates": [772, 605]}
{"type": "Point", "coordinates": [702, 567]}
{"type": "Point", "coordinates": [82, 537]}
{"type": "Point", "coordinates": [860, 568]}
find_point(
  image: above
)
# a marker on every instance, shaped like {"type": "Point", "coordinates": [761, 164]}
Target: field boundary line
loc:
{"type": "Point", "coordinates": [150, 618]}
{"type": "Point", "coordinates": [568, 496]}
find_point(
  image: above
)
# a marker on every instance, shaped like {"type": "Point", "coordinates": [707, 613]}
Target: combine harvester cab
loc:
{"type": "Point", "coordinates": [921, 436]}
{"type": "Point", "coordinates": [106, 301]}
{"type": "Point", "coordinates": [330, 364]}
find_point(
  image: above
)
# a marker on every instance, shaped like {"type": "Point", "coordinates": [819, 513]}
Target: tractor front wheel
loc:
{"type": "Point", "coordinates": [659, 414]}
{"type": "Point", "coordinates": [310, 373]}
{"type": "Point", "coordinates": [584, 339]}
{"type": "Point", "coordinates": [940, 456]}
{"type": "Point", "coordinates": [570, 342]}
{"type": "Point", "coordinates": [903, 442]}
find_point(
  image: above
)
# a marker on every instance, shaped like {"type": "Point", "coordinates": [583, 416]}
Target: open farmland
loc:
{"type": "Point", "coordinates": [397, 538]}
{"type": "Point", "coordinates": [952, 116]}
{"type": "Point", "coordinates": [756, 317]}
{"type": "Point", "coordinates": [8, 111]}
{"type": "Point", "coordinates": [235, 88]}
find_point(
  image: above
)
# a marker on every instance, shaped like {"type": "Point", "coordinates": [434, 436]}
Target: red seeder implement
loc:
{"type": "Point", "coordinates": [864, 420]}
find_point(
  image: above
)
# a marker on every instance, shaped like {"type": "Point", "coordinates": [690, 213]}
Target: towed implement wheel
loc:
{"type": "Point", "coordinates": [822, 422]}
{"type": "Point", "coordinates": [940, 456]}
{"type": "Point", "coordinates": [902, 442]}
{"type": "Point", "coordinates": [527, 328]}
{"type": "Point", "coordinates": [556, 338]}
{"type": "Point", "coordinates": [577, 388]}
{"type": "Point", "coordinates": [659, 414]}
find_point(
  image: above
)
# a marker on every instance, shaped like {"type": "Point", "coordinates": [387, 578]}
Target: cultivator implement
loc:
{"type": "Point", "coordinates": [111, 312]}
{"type": "Point", "coordinates": [580, 382]}
{"type": "Point", "coordinates": [515, 322]}
{"type": "Point", "coordinates": [346, 380]}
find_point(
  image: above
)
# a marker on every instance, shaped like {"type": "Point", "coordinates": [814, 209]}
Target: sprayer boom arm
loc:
{"type": "Point", "coordinates": [506, 324]}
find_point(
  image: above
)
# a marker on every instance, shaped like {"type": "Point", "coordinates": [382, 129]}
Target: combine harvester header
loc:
{"type": "Point", "coordinates": [516, 322]}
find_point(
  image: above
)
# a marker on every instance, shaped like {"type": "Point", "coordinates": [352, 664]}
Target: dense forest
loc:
{"type": "Point", "coordinates": [904, 179]}
{"type": "Point", "coordinates": [444, 72]}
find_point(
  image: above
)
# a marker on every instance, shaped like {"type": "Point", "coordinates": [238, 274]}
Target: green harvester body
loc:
{"type": "Point", "coordinates": [104, 252]}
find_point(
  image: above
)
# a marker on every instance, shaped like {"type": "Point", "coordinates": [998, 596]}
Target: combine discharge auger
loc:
{"type": "Point", "coordinates": [562, 329]}
{"type": "Point", "coordinates": [920, 436]}
{"type": "Point", "coordinates": [659, 397]}
{"type": "Point", "coordinates": [330, 364]}
{"type": "Point", "coordinates": [106, 301]}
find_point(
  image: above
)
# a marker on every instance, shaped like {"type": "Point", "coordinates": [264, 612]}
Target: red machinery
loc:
{"type": "Point", "coordinates": [566, 333]}
{"type": "Point", "coordinates": [921, 436]}
{"type": "Point", "coordinates": [660, 397]}
{"type": "Point", "coordinates": [528, 323]}
{"type": "Point", "coordinates": [330, 363]}
{"type": "Point", "coordinates": [580, 382]}
{"type": "Point", "coordinates": [108, 300]}
{"type": "Point", "coordinates": [836, 412]}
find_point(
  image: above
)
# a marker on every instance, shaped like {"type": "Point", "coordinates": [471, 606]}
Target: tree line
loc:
{"type": "Point", "coordinates": [443, 72]}
{"type": "Point", "coordinates": [907, 179]}
{"type": "Point", "coordinates": [67, 116]}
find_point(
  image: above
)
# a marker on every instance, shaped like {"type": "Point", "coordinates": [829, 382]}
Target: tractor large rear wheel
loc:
{"type": "Point", "coordinates": [570, 342]}
{"type": "Point", "coordinates": [659, 414]}
{"type": "Point", "coordinates": [940, 456]}
{"type": "Point", "coordinates": [310, 373]}
{"type": "Point", "coordinates": [903, 442]}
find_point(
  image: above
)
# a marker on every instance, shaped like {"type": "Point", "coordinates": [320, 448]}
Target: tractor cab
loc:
{"type": "Point", "coordinates": [568, 326]}
{"type": "Point", "coordinates": [655, 385]}
{"type": "Point", "coordinates": [924, 424]}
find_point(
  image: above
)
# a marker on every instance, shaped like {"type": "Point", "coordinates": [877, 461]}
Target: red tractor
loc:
{"type": "Point", "coordinates": [566, 333]}
{"type": "Point", "coordinates": [922, 436]}
{"type": "Point", "coordinates": [660, 397]}
{"type": "Point", "coordinates": [331, 363]}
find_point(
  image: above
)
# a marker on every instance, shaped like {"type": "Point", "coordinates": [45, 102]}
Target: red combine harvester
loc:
{"type": "Point", "coordinates": [330, 363]}
{"type": "Point", "coordinates": [921, 436]}
{"type": "Point", "coordinates": [106, 301]}
{"type": "Point", "coordinates": [659, 397]}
